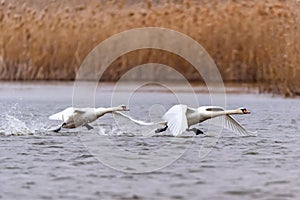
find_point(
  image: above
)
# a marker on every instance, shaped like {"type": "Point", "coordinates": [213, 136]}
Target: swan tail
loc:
{"type": "Point", "coordinates": [56, 116]}
{"type": "Point", "coordinates": [63, 115]}
{"type": "Point", "coordinates": [139, 122]}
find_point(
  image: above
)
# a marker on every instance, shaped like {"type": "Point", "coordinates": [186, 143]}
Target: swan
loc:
{"type": "Point", "coordinates": [180, 118]}
{"type": "Point", "coordinates": [75, 117]}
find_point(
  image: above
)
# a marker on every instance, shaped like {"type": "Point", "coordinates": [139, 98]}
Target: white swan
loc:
{"type": "Point", "coordinates": [75, 117]}
{"type": "Point", "coordinates": [180, 118]}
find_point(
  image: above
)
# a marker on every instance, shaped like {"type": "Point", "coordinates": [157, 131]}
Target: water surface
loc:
{"type": "Point", "coordinates": [39, 164]}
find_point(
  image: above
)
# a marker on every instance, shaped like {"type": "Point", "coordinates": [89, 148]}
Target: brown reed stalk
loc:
{"type": "Point", "coordinates": [250, 41]}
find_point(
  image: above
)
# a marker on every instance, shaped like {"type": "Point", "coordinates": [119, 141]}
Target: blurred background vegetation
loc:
{"type": "Point", "coordinates": [255, 41]}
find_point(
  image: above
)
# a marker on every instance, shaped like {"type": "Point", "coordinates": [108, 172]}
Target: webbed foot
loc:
{"type": "Point", "coordinates": [197, 131]}
{"type": "Point", "coordinates": [161, 129]}
{"type": "Point", "coordinates": [89, 127]}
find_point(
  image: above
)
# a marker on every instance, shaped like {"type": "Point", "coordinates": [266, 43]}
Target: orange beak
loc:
{"type": "Point", "coordinates": [246, 112]}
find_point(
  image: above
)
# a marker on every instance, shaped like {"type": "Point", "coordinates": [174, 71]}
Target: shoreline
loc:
{"type": "Point", "coordinates": [198, 87]}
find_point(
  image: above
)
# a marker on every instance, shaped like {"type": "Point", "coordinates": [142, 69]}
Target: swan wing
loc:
{"type": "Point", "coordinates": [176, 119]}
{"type": "Point", "coordinates": [56, 116]}
{"type": "Point", "coordinates": [139, 122]}
{"type": "Point", "coordinates": [79, 111]}
{"type": "Point", "coordinates": [236, 127]}
{"type": "Point", "coordinates": [231, 124]}
{"type": "Point", "coordinates": [63, 115]}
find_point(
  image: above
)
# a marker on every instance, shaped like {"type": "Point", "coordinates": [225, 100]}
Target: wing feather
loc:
{"type": "Point", "coordinates": [63, 115]}
{"type": "Point", "coordinates": [176, 119]}
{"type": "Point", "coordinates": [231, 124]}
{"type": "Point", "coordinates": [236, 127]}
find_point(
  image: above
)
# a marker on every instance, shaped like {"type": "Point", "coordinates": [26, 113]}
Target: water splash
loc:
{"type": "Point", "coordinates": [10, 125]}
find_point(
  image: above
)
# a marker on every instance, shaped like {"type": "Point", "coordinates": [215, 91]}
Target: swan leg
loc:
{"type": "Point", "coordinates": [161, 129]}
{"type": "Point", "coordinates": [58, 128]}
{"type": "Point", "coordinates": [197, 131]}
{"type": "Point", "coordinates": [89, 127]}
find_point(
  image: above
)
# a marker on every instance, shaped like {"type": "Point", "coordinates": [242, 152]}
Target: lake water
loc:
{"type": "Point", "coordinates": [39, 164]}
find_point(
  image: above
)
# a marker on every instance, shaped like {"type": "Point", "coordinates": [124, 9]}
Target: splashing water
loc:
{"type": "Point", "coordinates": [10, 125]}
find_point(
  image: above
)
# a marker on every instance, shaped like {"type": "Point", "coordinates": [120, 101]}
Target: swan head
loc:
{"type": "Point", "coordinates": [123, 108]}
{"type": "Point", "coordinates": [244, 110]}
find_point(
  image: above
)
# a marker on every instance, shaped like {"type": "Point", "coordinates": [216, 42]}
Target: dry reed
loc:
{"type": "Point", "coordinates": [250, 41]}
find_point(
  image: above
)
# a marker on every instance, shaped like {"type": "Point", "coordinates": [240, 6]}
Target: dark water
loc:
{"type": "Point", "coordinates": [39, 164]}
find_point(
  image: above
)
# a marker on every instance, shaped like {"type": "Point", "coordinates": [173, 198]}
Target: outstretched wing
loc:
{"type": "Point", "coordinates": [63, 115]}
{"type": "Point", "coordinates": [139, 122]}
{"type": "Point", "coordinates": [234, 126]}
{"type": "Point", "coordinates": [230, 123]}
{"type": "Point", "coordinates": [176, 119]}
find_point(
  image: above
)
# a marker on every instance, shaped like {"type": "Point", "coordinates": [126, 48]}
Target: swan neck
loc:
{"type": "Point", "coordinates": [102, 111]}
{"type": "Point", "coordinates": [225, 112]}
{"type": "Point", "coordinates": [232, 112]}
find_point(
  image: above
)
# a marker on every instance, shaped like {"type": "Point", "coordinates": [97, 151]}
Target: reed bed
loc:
{"type": "Point", "coordinates": [250, 41]}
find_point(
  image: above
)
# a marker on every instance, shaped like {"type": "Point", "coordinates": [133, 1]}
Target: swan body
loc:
{"type": "Point", "coordinates": [180, 118]}
{"type": "Point", "coordinates": [75, 117]}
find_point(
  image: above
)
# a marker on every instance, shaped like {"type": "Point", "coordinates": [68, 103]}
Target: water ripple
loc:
{"type": "Point", "coordinates": [47, 165]}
